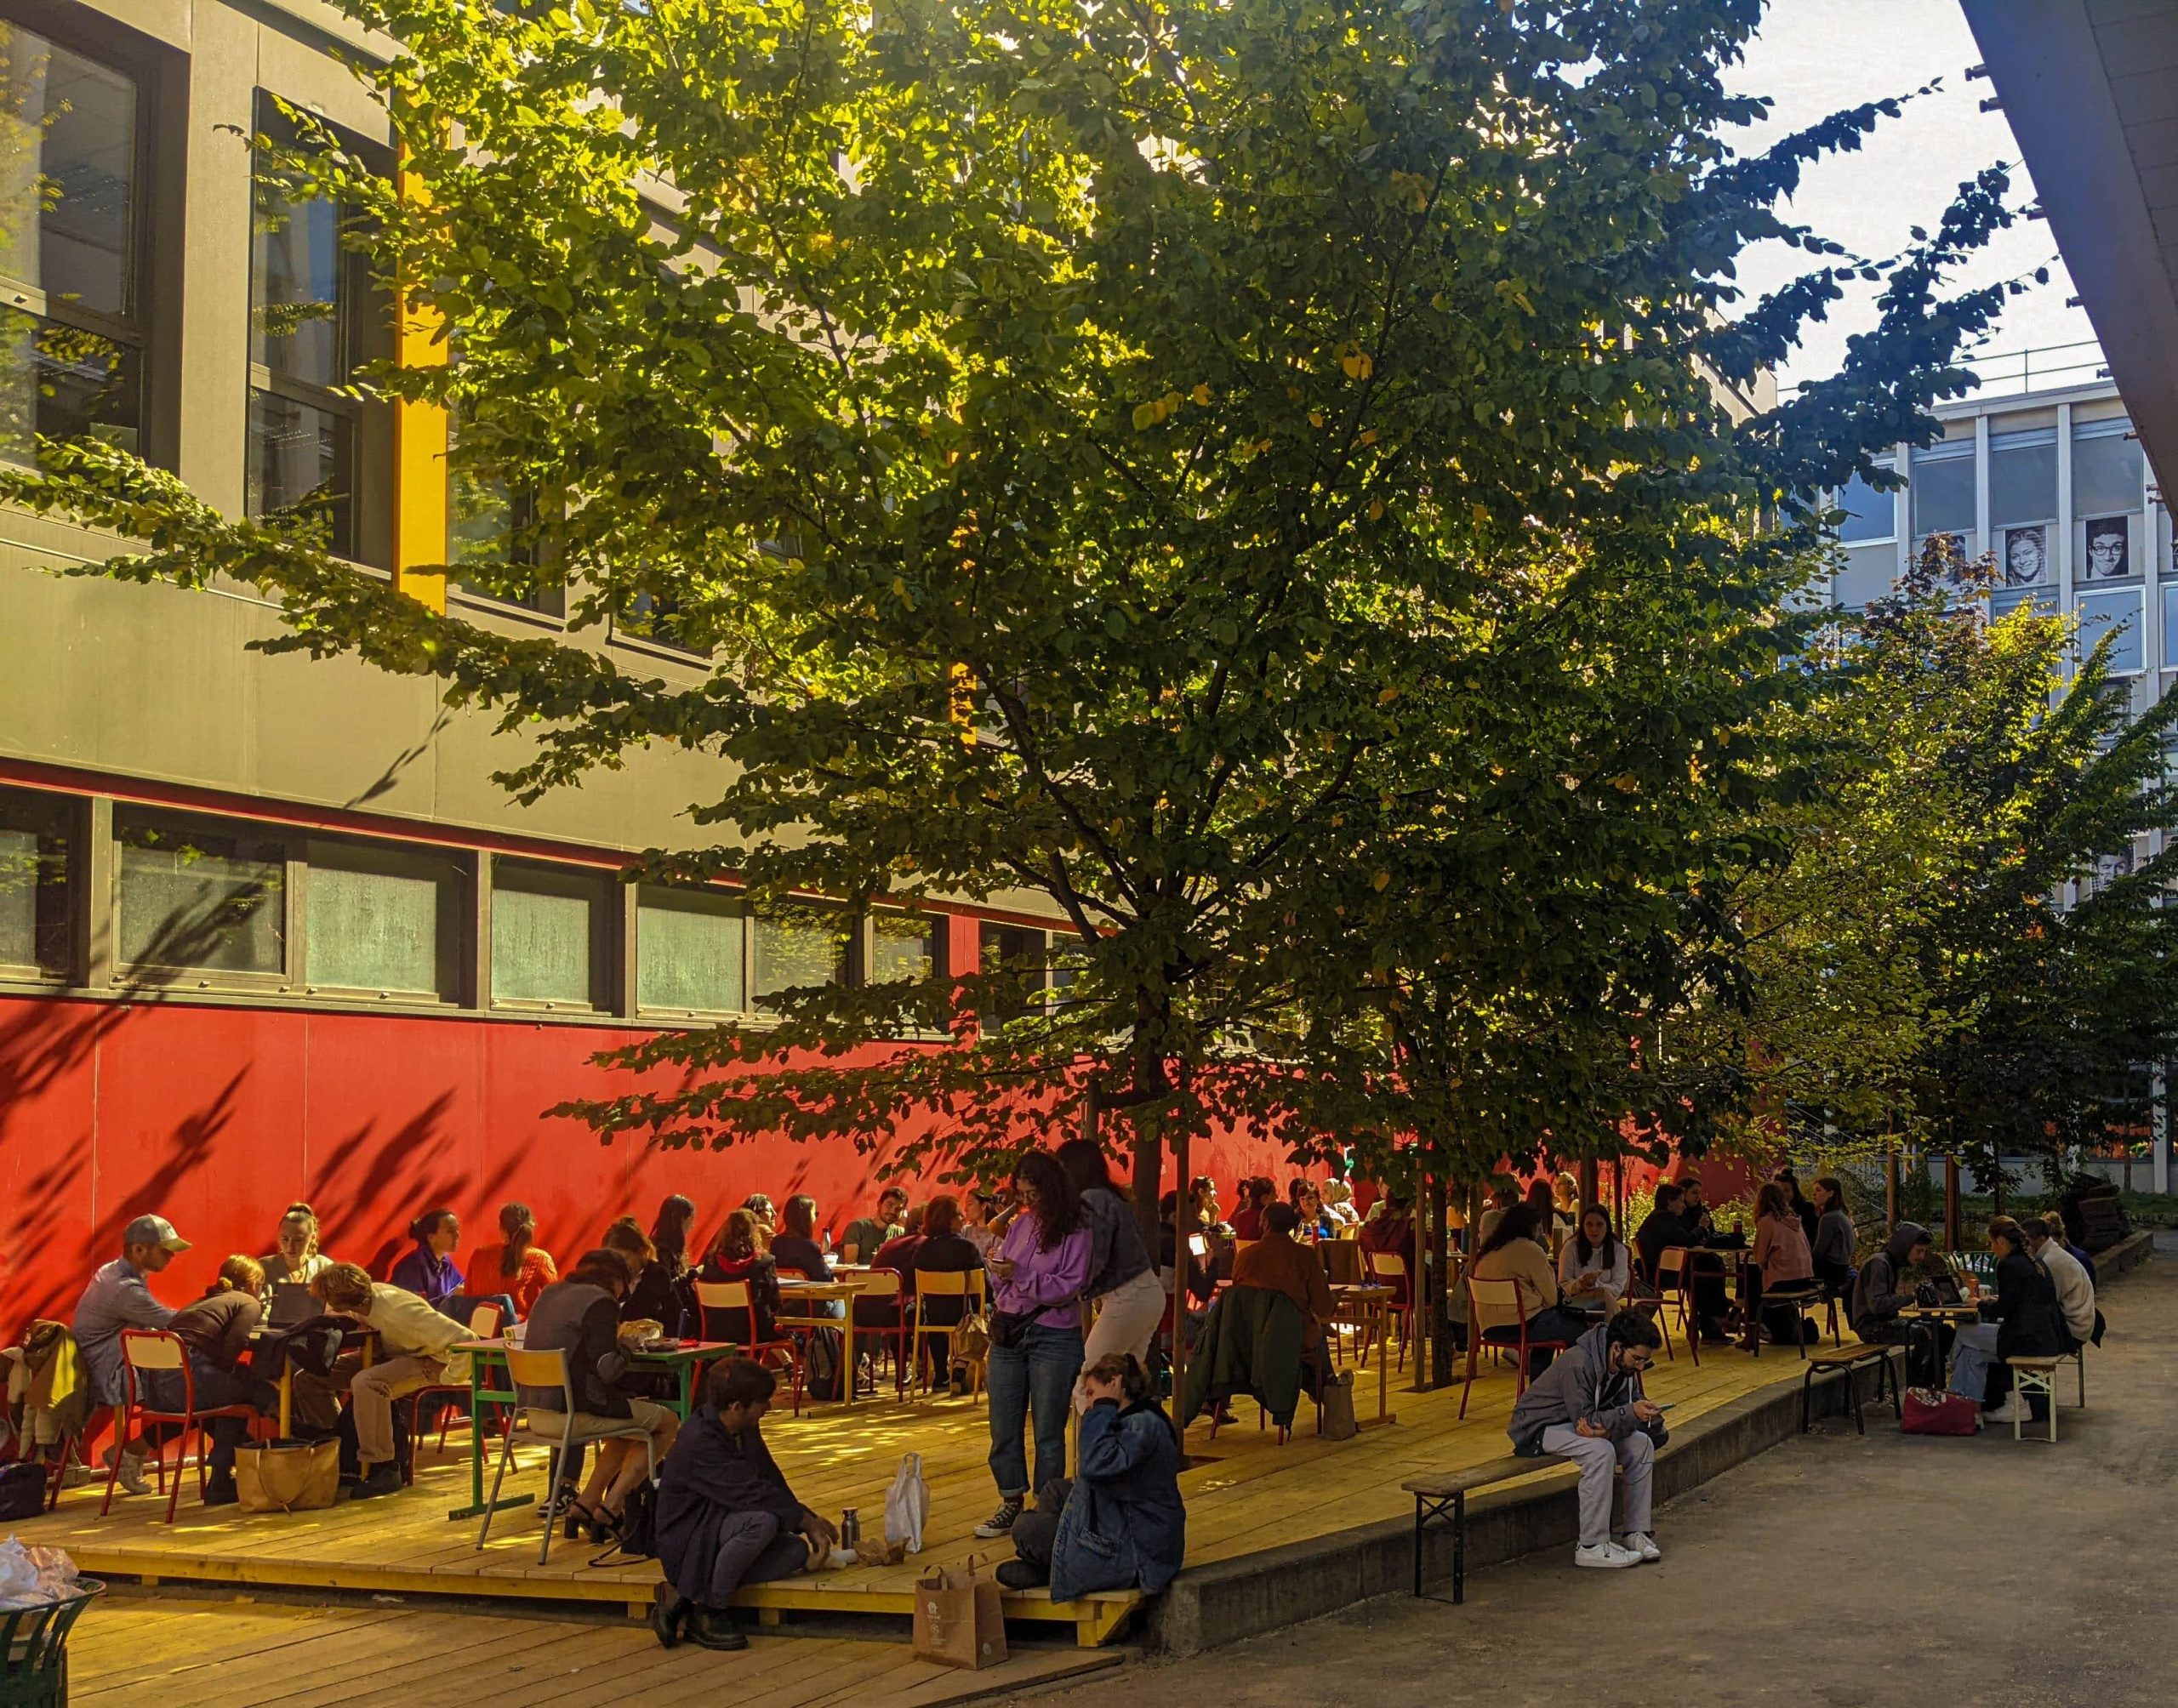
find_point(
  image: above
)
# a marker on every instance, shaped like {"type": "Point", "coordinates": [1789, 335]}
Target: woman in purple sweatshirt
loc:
{"type": "Point", "coordinates": [1041, 1266]}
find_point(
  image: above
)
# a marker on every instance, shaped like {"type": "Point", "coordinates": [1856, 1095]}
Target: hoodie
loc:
{"type": "Point", "coordinates": [1877, 1298]}
{"type": "Point", "coordinates": [1581, 1383]}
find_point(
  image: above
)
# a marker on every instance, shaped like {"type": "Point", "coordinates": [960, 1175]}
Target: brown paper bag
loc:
{"type": "Point", "coordinates": [958, 1621]}
{"type": "Point", "coordinates": [1337, 1422]}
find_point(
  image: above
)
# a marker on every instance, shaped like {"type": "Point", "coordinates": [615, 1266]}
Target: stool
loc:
{"type": "Point", "coordinates": [2031, 1375]}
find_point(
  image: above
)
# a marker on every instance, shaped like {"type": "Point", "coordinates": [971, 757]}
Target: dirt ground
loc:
{"type": "Point", "coordinates": [1831, 1569]}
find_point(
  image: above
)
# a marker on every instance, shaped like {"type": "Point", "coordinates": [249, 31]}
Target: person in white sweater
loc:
{"type": "Point", "coordinates": [1593, 1268]}
{"type": "Point", "coordinates": [2075, 1292]}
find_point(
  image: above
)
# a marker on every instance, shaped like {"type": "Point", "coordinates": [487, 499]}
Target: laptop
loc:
{"type": "Point", "coordinates": [292, 1304]}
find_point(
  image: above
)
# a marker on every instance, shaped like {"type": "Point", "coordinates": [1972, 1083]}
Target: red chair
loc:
{"type": "Point", "coordinates": [885, 1283]}
{"type": "Point", "coordinates": [1501, 1296]}
{"type": "Point", "coordinates": [1675, 1286]}
{"type": "Point", "coordinates": [153, 1350]}
{"type": "Point", "coordinates": [716, 1300]}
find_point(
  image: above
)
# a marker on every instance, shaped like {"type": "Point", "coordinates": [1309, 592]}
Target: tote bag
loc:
{"type": "Point", "coordinates": [287, 1476]}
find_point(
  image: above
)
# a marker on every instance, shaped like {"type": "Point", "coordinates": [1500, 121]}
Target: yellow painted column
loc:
{"type": "Point", "coordinates": [420, 448]}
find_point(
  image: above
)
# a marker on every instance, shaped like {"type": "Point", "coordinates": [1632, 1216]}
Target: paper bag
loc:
{"type": "Point", "coordinates": [1337, 1420]}
{"type": "Point", "coordinates": [906, 1504]}
{"type": "Point", "coordinates": [287, 1476]}
{"type": "Point", "coordinates": [958, 1621]}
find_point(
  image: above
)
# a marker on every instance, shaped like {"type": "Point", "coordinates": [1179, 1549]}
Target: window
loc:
{"type": "Point", "coordinates": [904, 946]}
{"type": "Point", "coordinates": [2004, 600]}
{"type": "Point", "coordinates": [549, 936]}
{"type": "Point", "coordinates": [200, 896]}
{"type": "Point", "coordinates": [1020, 950]}
{"type": "Point", "coordinates": [796, 947]}
{"type": "Point", "coordinates": [35, 851]}
{"type": "Point", "coordinates": [2023, 478]}
{"type": "Point", "coordinates": [1943, 493]}
{"type": "Point", "coordinates": [1869, 515]}
{"type": "Point", "coordinates": [689, 946]}
{"type": "Point", "coordinates": [383, 920]}
{"type": "Point", "coordinates": [1868, 572]}
{"type": "Point", "coordinates": [71, 332]}
{"type": "Point", "coordinates": [488, 530]}
{"type": "Point", "coordinates": [2107, 476]}
{"type": "Point", "coordinates": [2170, 627]}
{"type": "Point", "coordinates": [315, 321]}
{"type": "Point", "coordinates": [2101, 612]}
{"type": "Point", "coordinates": [655, 618]}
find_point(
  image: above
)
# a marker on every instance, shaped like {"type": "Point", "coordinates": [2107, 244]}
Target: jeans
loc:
{"type": "Point", "coordinates": [1976, 1362]}
{"type": "Point", "coordinates": [1035, 1376]}
{"type": "Point", "coordinates": [162, 1390]}
{"type": "Point", "coordinates": [1553, 1323]}
{"type": "Point", "coordinates": [753, 1548]}
{"type": "Point", "coordinates": [1597, 1458]}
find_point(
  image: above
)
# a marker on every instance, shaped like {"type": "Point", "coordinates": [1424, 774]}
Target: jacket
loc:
{"type": "Point", "coordinates": [410, 1327]}
{"type": "Point", "coordinates": [710, 1474]}
{"type": "Point", "coordinates": [1831, 1251]}
{"type": "Point", "coordinates": [1657, 1235]}
{"type": "Point", "coordinates": [2030, 1323]}
{"type": "Point", "coordinates": [1045, 1286]}
{"type": "Point", "coordinates": [117, 1298]}
{"type": "Point", "coordinates": [217, 1327]}
{"type": "Point", "coordinates": [1580, 1384]}
{"type": "Point", "coordinates": [1251, 1343]}
{"type": "Point", "coordinates": [1613, 1277]}
{"type": "Point", "coordinates": [2075, 1289]}
{"type": "Point", "coordinates": [1124, 1525]}
{"type": "Point", "coordinates": [1116, 1253]}
{"type": "Point", "coordinates": [1524, 1263]}
{"type": "Point", "coordinates": [656, 1298]}
{"type": "Point", "coordinates": [431, 1277]}
{"type": "Point", "coordinates": [583, 1321]}
{"type": "Point", "coordinates": [1781, 1250]}
{"type": "Point", "coordinates": [1295, 1270]}
{"type": "Point", "coordinates": [1877, 1295]}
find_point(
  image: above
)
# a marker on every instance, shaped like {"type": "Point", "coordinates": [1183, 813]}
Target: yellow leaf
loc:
{"type": "Point", "coordinates": [1388, 697]}
{"type": "Point", "coordinates": [1383, 881]}
{"type": "Point", "coordinates": [1376, 509]}
{"type": "Point", "coordinates": [1368, 435]}
{"type": "Point", "coordinates": [1202, 394]}
{"type": "Point", "coordinates": [1316, 417]}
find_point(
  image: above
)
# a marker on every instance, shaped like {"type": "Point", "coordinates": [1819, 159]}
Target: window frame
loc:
{"type": "Point", "coordinates": [603, 944]}
{"type": "Point", "coordinates": [74, 853]}
{"type": "Point", "coordinates": [2134, 590]}
{"type": "Point", "coordinates": [734, 901]}
{"type": "Point", "coordinates": [286, 838]}
{"type": "Point", "coordinates": [1943, 451]}
{"type": "Point", "coordinates": [451, 947]}
{"type": "Point", "coordinates": [846, 971]}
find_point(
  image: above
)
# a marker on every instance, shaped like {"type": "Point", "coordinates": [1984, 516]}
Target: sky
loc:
{"type": "Point", "coordinates": [1814, 57]}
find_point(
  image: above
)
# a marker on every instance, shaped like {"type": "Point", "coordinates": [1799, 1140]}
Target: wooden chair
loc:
{"type": "Point", "coordinates": [1674, 1285]}
{"type": "Point", "coordinates": [2033, 1375]}
{"type": "Point", "coordinates": [1388, 1269]}
{"type": "Point", "coordinates": [484, 1319]}
{"type": "Point", "coordinates": [1801, 1296]}
{"type": "Point", "coordinates": [886, 1284]}
{"type": "Point", "coordinates": [149, 1351]}
{"type": "Point", "coordinates": [727, 1299]}
{"type": "Point", "coordinates": [1500, 1296]}
{"type": "Point", "coordinates": [528, 1369]}
{"type": "Point", "coordinates": [966, 1285]}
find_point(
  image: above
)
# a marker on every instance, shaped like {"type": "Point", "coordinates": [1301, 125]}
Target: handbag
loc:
{"type": "Point", "coordinates": [638, 1537]}
{"type": "Point", "coordinates": [1927, 1412]}
{"type": "Point", "coordinates": [22, 1490]}
{"type": "Point", "coordinates": [1008, 1327]}
{"type": "Point", "coordinates": [1337, 1422]}
{"type": "Point", "coordinates": [287, 1476]}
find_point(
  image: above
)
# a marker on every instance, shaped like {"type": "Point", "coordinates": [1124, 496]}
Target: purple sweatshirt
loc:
{"type": "Point", "coordinates": [1044, 1277]}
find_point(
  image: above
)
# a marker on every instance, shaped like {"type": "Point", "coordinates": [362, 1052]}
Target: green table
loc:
{"type": "Point", "coordinates": [681, 1360]}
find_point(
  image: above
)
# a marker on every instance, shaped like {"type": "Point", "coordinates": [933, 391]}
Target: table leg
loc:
{"type": "Point", "coordinates": [687, 1366]}
{"type": "Point", "coordinates": [853, 1370]}
{"type": "Point", "coordinates": [477, 1450]}
{"type": "Point", "coordinates": [1383, 1356]}
{"type": "Point", "coordinates": [287, 1399]}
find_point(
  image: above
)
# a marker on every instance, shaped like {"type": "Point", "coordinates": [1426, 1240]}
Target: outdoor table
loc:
{"type": "Point", "coordinates": [1934, 1317]}
{"type": "Point", "coordinates": [681, 1360]}
{"type": "Point", "coordinates": [1377, 1302]}
{"type": "Point", "coordinates": [824, 1292]}
{"type": "Point", "coordinates": [285, 1381]}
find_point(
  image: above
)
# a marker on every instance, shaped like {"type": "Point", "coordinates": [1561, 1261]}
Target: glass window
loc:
{"type": "Point", "coordinates": [2107, 473]}
{"type": "Point", "coordinates": [383, 920]}
{"type": "Point", "coordinates": [1943, 493]}
{"type": "Point", "coordinates": [2023, 480]}
{"type": "Point", "coordinates": [2101, 611]}
{"type": "Point", "coordinates": [547, 927]}
{"type": "Point", "coordinates": [200, 896]}
{"type": "Point", "coordinates": [655, 618]}
{"type": "Point", "coordinates": [301, 460]}
{"type": "Point", "coordinates": [904, 945]}
{"type": "Point", "coordinates": [1868, 573]}
{"type": "Point", "coordinates": [1869, 515]}
{"type": "Point", "coordinates": [1018, 949]}
{"type": "Point", "coordinates": [487, 532]}
{"type": "Point", "coordinates": [688, 951]}
{"type": "Point", "coordinates": [2170, 629]}
{"type": "Point", "coordinates": [34, 861]}
{"type": "Point", "coordinates": [70, 344]}
{"type": "Point", "coordinates": [796, 947]}
{"type": "Point", "coordinates": [2002, 601]}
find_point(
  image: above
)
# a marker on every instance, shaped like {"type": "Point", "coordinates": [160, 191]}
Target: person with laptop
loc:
{"type": "Point", "coordinates": [216, 1330]}
{"type": "Point", "coordinates": [296, 1260]}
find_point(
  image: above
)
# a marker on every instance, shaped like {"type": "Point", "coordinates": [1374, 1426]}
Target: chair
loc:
{"type": "Point", "coordinates": [726, 1297]}
{"type": "Point", "coordinates": [966, 1286]}
{"type": "Point", "coordinates": [484, 1319]}
{"type": "Point", "coordinates": [885, 1283]}
{"type": "Point", "coordinates": [1388, 1269]}
{"type": "Point", "coordinates": [152, 1349]}
{"type": "Point", "coordinates": [1675, 1283]}
{"type": "Point", "coordinates": [548, 1370]}
{"type": "Point", "coordinates": [1801, 1296]}
{"type": "Point", "coordinates": [1500, 1296]}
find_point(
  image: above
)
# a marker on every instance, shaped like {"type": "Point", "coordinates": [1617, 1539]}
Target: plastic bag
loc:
{"type": "Point", "coordinates": [906, 1504]}
{"type": "Point", "coordinates": [29, 1576]}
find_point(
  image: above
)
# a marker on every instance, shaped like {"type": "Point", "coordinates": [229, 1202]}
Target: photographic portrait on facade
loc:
{"type": "Point", "coordinates": [2109, 551]}
{"type": "Point", "coordinates": [2027, 554]}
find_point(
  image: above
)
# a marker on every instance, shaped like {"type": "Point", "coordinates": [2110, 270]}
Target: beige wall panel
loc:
{"type": "Point", "coordinates": [169, 21]}
{"type": "Point", "coordinates": [300, 74]}
{"type": "Point", "coordinates": [215, 259]}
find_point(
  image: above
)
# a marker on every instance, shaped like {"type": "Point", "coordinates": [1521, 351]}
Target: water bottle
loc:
{"type": "Point", "coordinates": [850, 1531]}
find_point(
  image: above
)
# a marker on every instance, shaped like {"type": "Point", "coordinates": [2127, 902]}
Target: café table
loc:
{"type": "Point", "coordinates": [1375, 1302]}
{"type": "Point", "coordinates": [683, 1358]}
{"type": "Point", "coordinates": [843, 1291]}
{"type": "Point", "coordinates": [354, 1334]}
{"type": "Point", "coordinates": [1933, 1318]}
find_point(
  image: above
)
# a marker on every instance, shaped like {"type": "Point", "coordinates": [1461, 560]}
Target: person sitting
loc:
{"type": "Point", "coordinates": [652, 1294]}
{"type": "Point", "coordinates": [1695, 1213]}
{"type": "Point", "coordinates": [1283, 1263]}
{"type": "Point", "coordinates": [1781, 1263]}
{"type": "Point", "coordinates": [670, 1235]}
{"type": "Point", "coordinates": [119, 1296]}
{"type": "Point", "coordinates": [415, 1350]}
{"type": "Point", "coordinates": [897, 1255]}
{"type": "Point", "coordinates": [1390, 1232]}
{"type": "Point", "coordinates": [1832, 1249]}
{"type": "Point", "coordinates": [1337, 1199]}
{"type": "Point", "coordinates": [297, 1261]}
{"type": "Point", "coordinates": [1122, 1525]}
{"type": "Point", "coordinates": [2075, 1285]}
{"type": "Point", "coordinates": [1514, 1252]}
{"type": "Point", "coordinates": [1801, 1208]}
{"type": "Point", "coordinates": [759, 1205]}
{"type": "Point", "coordinates": [1595, 1268]}
{"type": "Point", "coordinates": [518, 1266]}
{"type": "Point", "coordinates": [1565, 1202]}
{"type": "Point", "coordinates": [216, 1330]}
{"type": "Point", "coordinates": [1663, 1228]}
{"type": "Point", "coordinates": [943, 1250]}
{"type": "Point", "coordinates": [429, 1271]}
{"type": "Point", "coordinates": [1540, 1198]}
{"type": "Point", "coordinates": [976, 1209]}
{"type": "Point", "coordinates": [581, 1316]}
{"type": "Point", "coordinates": [726, 1515]}
{"type": "Point", "coordinates": [1202, 1271]}
{"type": "Point", "coordinates": [737, 1253]}
{"type": "Point", "coordinates": [2055, 1222]}
{"type": "Point", "coordinates": [1884, 1287]}
{"type": "Point", "coordinates": [1247, 1220]}
{"type": "Point", "coordinates": [794, 1247]}
{"type": "Point", "coordinates": [2029, 1323]}
{"type": "Point", "coordinates": [1502, 1199]}
{"type": "Point", "coordinates": [1589, 1407]}
{"type": "Point", "coordinates": [865, 1234]}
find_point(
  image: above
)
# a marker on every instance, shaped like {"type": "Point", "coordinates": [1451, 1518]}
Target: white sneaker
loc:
{"type": "Point", "coordinates": [1606, 1556]}
{"type": "Point", "coordinates": [1642, 1543]}
{"type": "Point", "coordinates": [2009, 1412]}
{"type": "Point", "coordinates": [132, 1478]}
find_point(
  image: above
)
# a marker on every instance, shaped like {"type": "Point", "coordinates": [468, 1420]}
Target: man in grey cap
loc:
{"type": "Point", "coordinates": [120, 1298]}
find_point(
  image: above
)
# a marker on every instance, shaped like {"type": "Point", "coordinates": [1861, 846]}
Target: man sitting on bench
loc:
{"type": "Point", "coordinates": [1589, 1407]}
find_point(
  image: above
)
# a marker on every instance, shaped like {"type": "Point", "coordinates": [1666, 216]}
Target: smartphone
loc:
{"type": "Point", "coordinates": [1667, 1407]}
{"type": "Point", "coordinates": [1198, 1245]}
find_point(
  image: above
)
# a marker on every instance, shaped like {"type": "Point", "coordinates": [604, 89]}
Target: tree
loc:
{"type": "Point", "coordinates": [1095, 447]}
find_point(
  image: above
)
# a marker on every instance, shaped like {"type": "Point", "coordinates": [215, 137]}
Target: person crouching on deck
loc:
{"type": "Point", "coordinates": [1589, 1407]}
{"type": "Point", "coordinates": [725, 1516]}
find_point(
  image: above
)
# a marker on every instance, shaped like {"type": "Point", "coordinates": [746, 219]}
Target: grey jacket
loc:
{"type": "Point", "coordinates": [1580, 1384]}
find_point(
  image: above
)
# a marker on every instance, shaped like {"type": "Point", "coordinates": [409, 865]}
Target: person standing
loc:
{"type": "Point", "coordinates": [1041, 1266]}
{"type": "Point", "coordinates": [119, 1296]}
{"type": "Point", "coordinates": [1589, 1407]}
{"type": "Point", "coordinates": [1131, 1305]}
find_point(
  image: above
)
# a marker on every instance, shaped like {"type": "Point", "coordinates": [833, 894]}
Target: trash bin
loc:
{"type": "Point", "coordinates": [34, 1647]}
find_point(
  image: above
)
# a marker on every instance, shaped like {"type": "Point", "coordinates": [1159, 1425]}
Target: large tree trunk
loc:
{"type": "Point", "coordinates": [1437, 1267]}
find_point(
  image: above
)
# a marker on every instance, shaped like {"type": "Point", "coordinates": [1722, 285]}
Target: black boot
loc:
{"type": "Point", "coordinates": [221, 1490]}
{"type": "Point", "coordinates": [379, 1479]}
{"type": "Point", "coordinates": [669, 1614]}
{"type": "Point", "coordinates": [713, 1627]}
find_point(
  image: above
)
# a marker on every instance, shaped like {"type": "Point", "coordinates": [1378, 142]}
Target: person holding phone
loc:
{"type": "Point", "coordinates": [1589, 1407]}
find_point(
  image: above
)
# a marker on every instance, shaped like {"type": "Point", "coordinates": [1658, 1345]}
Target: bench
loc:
{"type": "Point", "coordinates": [2037, 1374]}
{"type": "Point", "coordinates": [1444, 1497]}
{"type": "Point", "coordinates": [1850, 1360]}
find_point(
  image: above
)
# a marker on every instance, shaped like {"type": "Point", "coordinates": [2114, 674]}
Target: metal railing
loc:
{"type": "Point", "coordinates": [2009, 373]}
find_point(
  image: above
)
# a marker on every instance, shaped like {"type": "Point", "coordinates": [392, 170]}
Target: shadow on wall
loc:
{"type": "Point", "coordinates": [412, 1164]}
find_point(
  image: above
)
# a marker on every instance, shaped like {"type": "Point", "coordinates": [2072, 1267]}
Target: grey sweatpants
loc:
{"type": "Point", "coordinates": [751, 1551]}
{"type": "Point", "coordinates": [1597, 1457]}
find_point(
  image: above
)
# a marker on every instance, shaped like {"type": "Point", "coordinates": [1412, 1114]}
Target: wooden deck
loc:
{"type": "Point", "coordinates": [1246, 1493]}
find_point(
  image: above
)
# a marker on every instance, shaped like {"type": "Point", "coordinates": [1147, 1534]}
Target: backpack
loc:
{"type": "Point", "coordinates": [821, 1365]}
{"type": "Point", "coordinates": [638, 1538]}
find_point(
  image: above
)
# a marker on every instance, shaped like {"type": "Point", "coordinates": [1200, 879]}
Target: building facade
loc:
{"type": "Point", "coordinates": [268, 929]}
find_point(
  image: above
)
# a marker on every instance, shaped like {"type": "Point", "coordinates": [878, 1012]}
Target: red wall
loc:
{"type": "Point", "coordinates": [218, 1118]}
